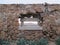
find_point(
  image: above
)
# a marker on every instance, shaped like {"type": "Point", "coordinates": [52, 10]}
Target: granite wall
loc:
{"type": "Point", "coordinates": [9, 14]}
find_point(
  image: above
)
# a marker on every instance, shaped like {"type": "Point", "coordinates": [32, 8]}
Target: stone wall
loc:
{"type": "Point", "coordinates": [9, 22]}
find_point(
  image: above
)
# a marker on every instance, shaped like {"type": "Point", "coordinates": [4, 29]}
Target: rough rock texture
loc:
{"type": "Point", "coordinates": [9, 22]}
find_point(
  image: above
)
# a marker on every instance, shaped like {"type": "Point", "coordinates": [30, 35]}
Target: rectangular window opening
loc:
{"type": "Point", "coordinates": [29, 25]}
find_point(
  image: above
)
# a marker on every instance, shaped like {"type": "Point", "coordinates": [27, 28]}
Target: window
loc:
{"type": "Point", "coordinates": [29, 25]}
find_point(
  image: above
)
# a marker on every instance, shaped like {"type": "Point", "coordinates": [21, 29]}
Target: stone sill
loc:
{"type": "Point", "coordinates": [30, 27]}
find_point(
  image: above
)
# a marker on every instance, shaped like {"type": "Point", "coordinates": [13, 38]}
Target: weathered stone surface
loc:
{"type": "Point", "coordinates": [51, 43]}
{"type": "Point", "coordinates": [9, 22]}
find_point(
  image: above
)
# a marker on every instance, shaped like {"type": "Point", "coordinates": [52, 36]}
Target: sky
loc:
{"type": "Point", "coordinates": [29, 1]}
